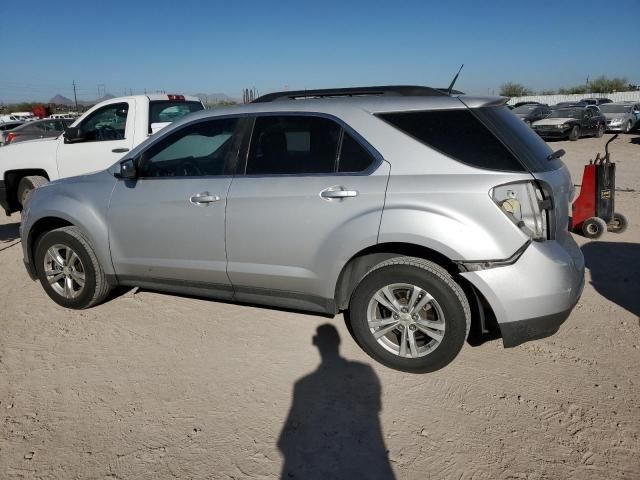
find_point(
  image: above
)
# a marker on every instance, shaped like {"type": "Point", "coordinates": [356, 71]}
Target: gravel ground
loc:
{"type": "Point", "coordinates": [149, 385]}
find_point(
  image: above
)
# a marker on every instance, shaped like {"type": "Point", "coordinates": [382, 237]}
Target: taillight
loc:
{"type": "Point", "coordinates": [10, 137]}
{"type": "Point", "coordinates": [524, 204]}
{"type": "Point", "coordinates": [177, 98]}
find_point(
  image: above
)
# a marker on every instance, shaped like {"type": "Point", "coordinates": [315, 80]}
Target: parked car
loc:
{"type": "Point", "coordinates": [532, 112]}
{"type": "Point", "coordinates": [571, 122]}
{"type": "Point", "coordinates": [621, 117]}
{"type": "Point", "coordinates": [93, 142]}
{"type": "Point", "coordinates": [418, 213]}
{"type": "Point", "coordinates": [37, 129]}
{"type": "Point", "coordinates": [6, 127]}
{"type": "Point", "coordinates": [595, 101]}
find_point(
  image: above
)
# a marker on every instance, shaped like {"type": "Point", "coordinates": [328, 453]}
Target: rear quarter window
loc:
{"type": "Point", "coordinates": [458, 134]}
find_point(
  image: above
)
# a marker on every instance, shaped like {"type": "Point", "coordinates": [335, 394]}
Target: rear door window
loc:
{"type": "Point", "coordinates": [164, 111]}
{"type": "Point", "coordinates": [290, 144]}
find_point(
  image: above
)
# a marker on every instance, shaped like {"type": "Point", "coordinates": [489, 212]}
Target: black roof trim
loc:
{"type": "Point", "coordinates": [396, 90]}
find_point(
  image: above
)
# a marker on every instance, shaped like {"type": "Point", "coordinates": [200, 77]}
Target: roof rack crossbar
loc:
{"type": "Point", "coordinates": [397, 90]}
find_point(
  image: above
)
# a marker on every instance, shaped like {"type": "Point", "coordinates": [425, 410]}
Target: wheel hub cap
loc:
{"type": "Point", "coordinates": [64, 271]}
{"type": "Point", "coordinates": [406, 320]}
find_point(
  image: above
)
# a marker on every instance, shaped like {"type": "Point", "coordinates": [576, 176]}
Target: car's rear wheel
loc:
{"type": "Point", "coordinates": [409, 314]}
{"type": "Point", "coordinates": [27, 185]}
{"type": "Point", "coordinates": [600, 131]}
{"type": "Point", "coordinates": [574, 134]}
{"type": "Point", "coordinates": [69, 270]}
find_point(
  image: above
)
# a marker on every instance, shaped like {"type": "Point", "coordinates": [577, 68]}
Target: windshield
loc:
{"type": "Point", "coordinates": [525, 109]}
{"type": "Point", "coordinates": [610, 108]}
{"type": "Point", "coordinates": [566, 113]}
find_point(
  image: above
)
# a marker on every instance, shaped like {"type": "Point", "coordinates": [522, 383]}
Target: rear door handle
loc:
{"type": "Point", "coordinates": [120, 150]}
{"type": "Point", "coordinates": [338, 192]}
{"type": "Point", "coordinates": [204, 197]}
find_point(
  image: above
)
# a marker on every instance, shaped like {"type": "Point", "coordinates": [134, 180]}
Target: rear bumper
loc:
{"type": "Point", "coordinates": [535, 295]}
{"type": "Point", "coordinates": [4, 201]}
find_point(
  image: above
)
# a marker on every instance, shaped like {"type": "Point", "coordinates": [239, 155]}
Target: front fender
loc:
{"type": "Point", "coordinates": [31, 155]}
{"type": "Point", "coordinates": [82, 203]}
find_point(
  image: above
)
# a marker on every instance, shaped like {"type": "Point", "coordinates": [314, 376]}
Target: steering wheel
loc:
{"type": "Point", "coordinates": [107, 132]}
{"type": "Point", "coordinates": [190, 169]}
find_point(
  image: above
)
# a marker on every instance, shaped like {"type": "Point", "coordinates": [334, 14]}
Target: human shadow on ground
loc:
{"type": "Point", "coordinates": [615, 272]}
{"type": "Point", "coordinates": [333, 429]}
{"type": "Point", "coordinates": [9, 232]}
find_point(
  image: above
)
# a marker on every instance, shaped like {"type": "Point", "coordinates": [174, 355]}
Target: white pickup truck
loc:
{"type": "Point", "coordinates": [94, 142]}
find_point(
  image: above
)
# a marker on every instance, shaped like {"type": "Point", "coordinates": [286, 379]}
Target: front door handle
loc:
{"type": "Point", "coordinates": [204, 197]}
{"type": "Point", "coordinates": [338, 192]}
{"type": "Point", "coordinates": [120, 150]}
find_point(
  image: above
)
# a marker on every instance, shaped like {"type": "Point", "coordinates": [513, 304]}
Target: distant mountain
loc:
{"type": "Point", "coordinates": [61, 100]}
{"type": "Point", "coordinates": [211, 98]}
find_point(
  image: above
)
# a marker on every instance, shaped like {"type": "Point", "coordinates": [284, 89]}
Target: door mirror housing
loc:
{"type": "Point", "coordinates": [74, 135]}
{"type": "Point", "coordinates": [126, 169]}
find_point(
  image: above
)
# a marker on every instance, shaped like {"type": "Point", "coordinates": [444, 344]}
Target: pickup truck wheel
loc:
{"type": "Point", "coordinates": [410, 315]}
{"type": "Point", "coordinates": [27, 185]}
{"type": "Point", "coordinates": [68, 269]}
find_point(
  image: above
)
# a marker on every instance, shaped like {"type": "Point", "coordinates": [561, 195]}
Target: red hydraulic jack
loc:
{"type": "Point", "coordinates": [593, 212]}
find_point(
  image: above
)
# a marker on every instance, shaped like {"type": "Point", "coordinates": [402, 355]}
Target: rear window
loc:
{"type": "Point", "coordinates": [169, 111]}
{"type": "Point", "coordinates": [458, 134]}
{"type": "Point", "coordinates": [492, 138]}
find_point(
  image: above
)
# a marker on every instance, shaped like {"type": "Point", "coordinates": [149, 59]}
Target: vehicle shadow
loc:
{"type": "Point", "coordinates": [615, 272]}
{"type": "Point", "coordinates": [9, 232]}
{"type": "Point", "coordinates": [333, 428]}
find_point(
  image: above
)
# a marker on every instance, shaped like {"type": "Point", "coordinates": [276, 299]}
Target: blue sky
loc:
{"type": "Point", "coordinates": [223, 46]}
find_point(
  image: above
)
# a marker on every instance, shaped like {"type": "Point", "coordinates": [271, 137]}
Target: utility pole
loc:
{"type": "Point", "coordinates": [75, 95]}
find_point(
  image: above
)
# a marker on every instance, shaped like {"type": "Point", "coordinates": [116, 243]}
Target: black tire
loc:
{"type": "Point", "coordinates": [27, 185]}
{"type": "Point", "coordinates": [433, 279]}
{"type": "Point", "coordinates": [574, 134]}
{"type": "Point", "coordinates": [600, 131]}
{"type": "Point", "coordinates": [619, 223]}
{"type": "Point", "coordinates": [627, 128]}
{"type": "Point", "coordinates": [96, 287]}
{"type": "Point", "coordinates": [594, 227]}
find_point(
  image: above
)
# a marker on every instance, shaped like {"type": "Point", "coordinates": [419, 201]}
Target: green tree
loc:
{"type": "Point", "coordinates": [512, 89]}
{"type": "Point", "coordinates": [603, 84]}
{"type": "Point", "coordinates": [547, 92]}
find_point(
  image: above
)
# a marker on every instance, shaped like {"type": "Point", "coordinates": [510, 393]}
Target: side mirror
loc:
{"type": "Point", "coordinates": [127, 170]}
{"type": "Point", "coordinates": [74, 135]}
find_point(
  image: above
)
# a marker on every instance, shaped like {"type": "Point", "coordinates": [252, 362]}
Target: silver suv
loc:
{"type": "Point", "coordinates": [420, 215]}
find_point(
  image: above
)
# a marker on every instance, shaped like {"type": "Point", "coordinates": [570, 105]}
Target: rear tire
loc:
{"type": "Point", "coordinates": [574, 134]}
{"type": "Point", "coordinates": [594, 227]}
{"type": "Point", "coordinates": [600, 131]}
{"type": "Point", "coordinates": [68, 269]}
{"type": "Point", "coordinates": [27, 185]}
{"type": "Point", "coordinates": [619, 223]}
{"type": "Point", "coordinates": [427, 320]}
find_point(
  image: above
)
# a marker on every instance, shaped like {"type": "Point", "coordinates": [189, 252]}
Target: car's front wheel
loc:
{"type": "Point", "coordinates": [69, 270]}
{"type": "Point", "coordinates": [600, 131]}
{"type": "Point", "coordinates": [574, 134]}
{"type": "Point", "coordinates": [410, 314]}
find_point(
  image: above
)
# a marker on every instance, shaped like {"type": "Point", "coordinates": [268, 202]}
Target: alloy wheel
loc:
{"type": "Point", "coordinates": [406, 320]}
{"type": "Point", "coordinates": [64, 271]}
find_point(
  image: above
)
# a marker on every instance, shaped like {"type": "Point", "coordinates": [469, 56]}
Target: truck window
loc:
{"type": "Point", "coordinates": [106, 123]}
{"type": "Point", "coordinates": [163, 111]}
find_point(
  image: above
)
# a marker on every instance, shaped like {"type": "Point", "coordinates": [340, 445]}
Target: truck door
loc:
{"type": "Point", "coordinates": [108, 134]}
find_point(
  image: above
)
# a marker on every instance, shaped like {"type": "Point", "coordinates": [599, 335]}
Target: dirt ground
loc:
{"type": "Point", "coordinates": [151, 386]}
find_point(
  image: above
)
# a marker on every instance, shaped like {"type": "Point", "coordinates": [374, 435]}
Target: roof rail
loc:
{"type": "Point", "coordinates": [396, 90]}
